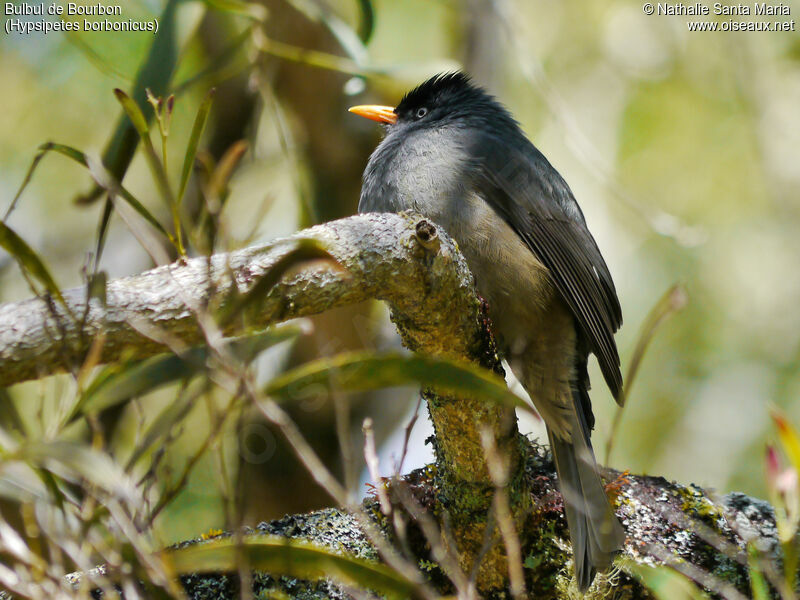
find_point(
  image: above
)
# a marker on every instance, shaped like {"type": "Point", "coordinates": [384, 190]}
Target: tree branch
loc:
{"type": "Point", "coordinates": [382, 257]}
{"type": "Point", "coordinates": [403, 259]}
{"type": "Point", "coordinates": [684, 527]}
{"type": "Point", "coordinates": [415, 267]}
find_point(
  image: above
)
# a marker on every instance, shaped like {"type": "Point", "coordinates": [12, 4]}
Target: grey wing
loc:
{"type": "Point", "coordinates": [537, 203]}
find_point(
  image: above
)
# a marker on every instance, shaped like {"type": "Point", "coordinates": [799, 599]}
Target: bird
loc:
{"type": "Point", "coordinates": [453, 153]}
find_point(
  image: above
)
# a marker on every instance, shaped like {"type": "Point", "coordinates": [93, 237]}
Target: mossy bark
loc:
{"type": "Point", "coordinates": [413, 265]}
{"type": "Point", "coordinates": [666, 523]}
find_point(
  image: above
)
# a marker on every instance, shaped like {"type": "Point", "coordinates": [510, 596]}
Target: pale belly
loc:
{"type": "Point", "coordinates": [508, 275]}
{"type": "Point", "coordinates": [533, 326]}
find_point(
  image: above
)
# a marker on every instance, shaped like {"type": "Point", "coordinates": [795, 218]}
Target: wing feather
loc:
{"type": "Point", "coordinates": [537, 203]}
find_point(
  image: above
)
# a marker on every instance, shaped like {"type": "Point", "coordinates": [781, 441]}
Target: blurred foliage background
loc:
{"type": "Point", "coordinates": [682, 148]}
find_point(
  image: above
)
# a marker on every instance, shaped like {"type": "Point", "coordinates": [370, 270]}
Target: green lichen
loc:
{"type": "Point", "coordinates": [696, 504]}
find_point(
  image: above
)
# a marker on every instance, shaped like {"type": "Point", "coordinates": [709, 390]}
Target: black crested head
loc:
{"type": "Point", "coordinates": [450, 97]}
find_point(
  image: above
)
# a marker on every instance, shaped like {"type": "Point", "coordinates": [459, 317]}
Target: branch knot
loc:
{"type": "Point", "coordinates": [427, 235]}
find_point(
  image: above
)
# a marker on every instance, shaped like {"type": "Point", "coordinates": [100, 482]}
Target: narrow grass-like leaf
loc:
{"type": "Point", "coordinates": [758, 584]}
{"type": "Point", "coordinates": [98, 287]}
{"type": "Point", "coordinates": [157, 169]}
{"type": "Point", "coordinates": [121, 382]}
{"type": "Point", "coordinates": [304, 251]}
{"type": "Point", "coordinates": [10, 419]}
{"type": "Point", "coordinates": [673, 300]}
{"type": "Point", "coordinates": [133, 111]}
{"type": "Point", "coordinates": [665, 583]}
{"type": "Point", "coordinates": [226, 64]}
{"type": "Point", "coordinates": [292, 558]}
{"type": "Point", "coordinates": [100, 62]}
{"type": "Point", "coordinates": [105, 179]}
{"type": "Point", "coordinates": [156, 72]}
{"type": "Point", "coordinates": [224, 170]}
{"type": "Point", "coordinates": [72, 153]}
{"type": "Point", "coordinates": [366, 23]}
{"type": "Point", "coordinates": [247, 348]}
{"type": "Point", "coordinates": [29, 261]}
{"type": "Point", "coordinates": [102, 177]}
{"type": "Point", "coordinates": [359, 371]}
{"type": "Point", "coordinates": [159, 429]}
{"type": "Point", "coordinates": [348, 39]}
{"type": "Point", "coordinates": [74, 461]}
{"type": "Point", "coordinates": [68, 151]}
{"type": "Point", "coordinates": [194, 140]}
{"type": "Point", "coordinates": [307, 56]}
{"type": "Point", "coordinates": [251, 10]}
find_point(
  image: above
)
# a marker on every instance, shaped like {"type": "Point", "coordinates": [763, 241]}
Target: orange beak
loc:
{"type": "Point", "coordinates": [382, 114]}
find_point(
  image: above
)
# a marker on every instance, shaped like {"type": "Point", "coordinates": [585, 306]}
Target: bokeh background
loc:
{"type": "Point", "coordinates": [682, 148]}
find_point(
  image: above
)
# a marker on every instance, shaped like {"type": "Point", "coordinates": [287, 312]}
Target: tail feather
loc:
{"type": "Point", "coordinates": [596, 534]}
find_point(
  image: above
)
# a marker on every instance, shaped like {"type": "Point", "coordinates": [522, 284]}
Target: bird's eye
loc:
{"type": "Point", "coordinates": [421, 112]}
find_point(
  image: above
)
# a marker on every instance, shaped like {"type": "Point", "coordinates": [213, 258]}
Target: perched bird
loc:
{"type": "Point", "coordinates": [454, 154]}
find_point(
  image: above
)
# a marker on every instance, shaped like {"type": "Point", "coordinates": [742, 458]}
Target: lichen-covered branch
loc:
{"type": "Point", "coordinates": [666, 523]}
{"type": "Point", "coordinates": [382, 256]}
{"type": "Point", "coordinates": [410, 263]}
{"type": "Point", "coordinates": [403, 259]}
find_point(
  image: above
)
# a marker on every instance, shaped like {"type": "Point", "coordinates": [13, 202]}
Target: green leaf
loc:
{"type": "Point", "coordinates": [359, 371]}
{"type": "Point", "coordinates": [159, 429]}
{"type": "Point", "coordinates": [10, 419]}
{"type": "Point", "coordinates": [348, 39]}
{"type": "Point", "coordinates": [247, 348]}
{"type": "Point", "coordinates": [218, 183]}
{"type": "Point", "coordinates": [72, 153]}
{"type": "Point", "coordinates": [194, 139]}
{"type": "Point", "coordinates": [122, 381]}
{"type": "Point", "coordinates": [293, 558]}
{"type": "Point", "coordinates": [304, 251]}
{"type": "Point", "coordinates": [29, 261]}
{"type": "Point", "coordinates": [102, 177]}
{"type": "Point", "coordinates": [155, 73]}
{"type": "Point", "coordinates": [226, 64]}
{"type": "Point", "coordinates": [665, 583]}
{"type": "Point", "coordinates": [758, 584]}
{"type": "Point", "coordinates": [366, 24]}
{"type": "Point", "coordinates": [251, 10]}
{"type": "Point", "coordinates": [674, 300]}
{"type": "Point", "coordinates": [106, 180]}
{"type": "Point", "coordinates": [98, 286]}
{"type": "Point", "coordinates": [74, 461]}
{"type": "Point", "coordinates": [157, 169]}
{"type": "Point", "coordinates": [133, 111]}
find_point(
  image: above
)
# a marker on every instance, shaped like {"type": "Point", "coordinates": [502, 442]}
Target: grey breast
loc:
{"type": "Point", "coordinates": [424, 171]}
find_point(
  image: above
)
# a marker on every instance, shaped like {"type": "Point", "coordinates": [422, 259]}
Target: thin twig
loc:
{"type": "Point", "coordinates": [499, 472]}
{"type": "Point", "coordinates": [371, 456]}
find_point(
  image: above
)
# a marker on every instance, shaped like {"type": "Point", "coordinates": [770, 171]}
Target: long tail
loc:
{"type": "Point", "coordinates": [597, 535]}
